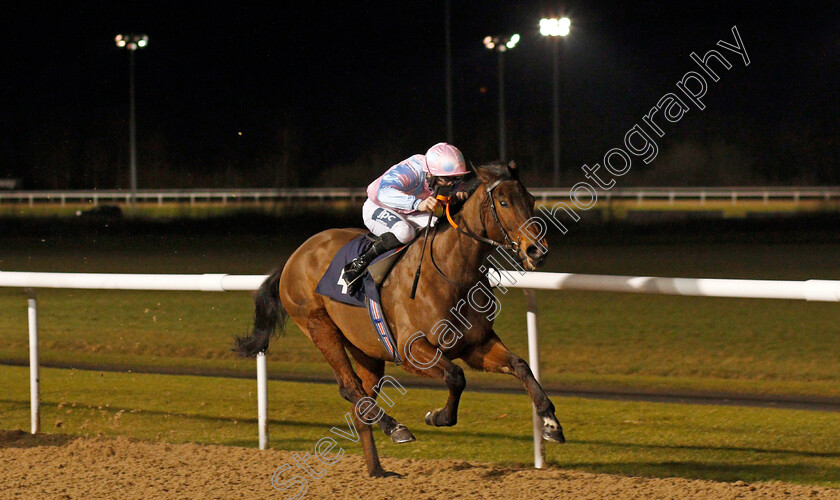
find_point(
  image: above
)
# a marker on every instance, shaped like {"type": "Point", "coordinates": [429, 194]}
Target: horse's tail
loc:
{"type": "Point", "coordinates": [269, 317]}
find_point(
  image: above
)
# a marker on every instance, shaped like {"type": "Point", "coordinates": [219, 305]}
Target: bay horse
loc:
{"type": "Point", "coordinates": [495, 215]}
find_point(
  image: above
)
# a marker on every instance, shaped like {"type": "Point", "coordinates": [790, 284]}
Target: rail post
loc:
{"type": "Point", "coordinates": [262, 400]}
{"type": "Point", "coordinates": [34, 377]}
{"type": "Point", "coordinates": [534, 361]}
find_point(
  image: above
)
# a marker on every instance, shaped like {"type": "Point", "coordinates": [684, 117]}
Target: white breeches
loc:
{"type": "Point", "coordinates": [380, 220]}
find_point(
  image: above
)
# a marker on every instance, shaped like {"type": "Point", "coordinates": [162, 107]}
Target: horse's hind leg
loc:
{"type": "Point", "coordinates": [420, 355]}
{"type": "Point", "coordinates": [329, 339]}
{"type": "Point", "coordinates": [371, 371]}
{"type": "Point", "coordinates": [494, 356]}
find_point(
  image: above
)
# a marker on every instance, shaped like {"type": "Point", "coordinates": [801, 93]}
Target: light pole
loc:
{"type": "Point", "coordinates": [450, 131]}
{"type": "Point", "coordinates": [555, 28]}
{"type": "Point", "coordinates": [501, 44]}
{"type": "Point", "coordinates": [132, 43]}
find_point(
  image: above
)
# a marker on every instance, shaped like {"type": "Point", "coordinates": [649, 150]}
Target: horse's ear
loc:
{"type": "Point", "coordinates": [483, 174]}
{"type": "Point", "coordinates": [497, 170]}
{"type": "Point", "coordinates": [514, 171]}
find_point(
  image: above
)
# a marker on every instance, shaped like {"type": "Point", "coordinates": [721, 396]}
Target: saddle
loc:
{"type": "Point", "coordinates": [332, 285]}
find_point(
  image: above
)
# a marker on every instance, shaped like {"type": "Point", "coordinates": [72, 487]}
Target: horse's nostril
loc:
{"type": "Point", "coordinates": [534, 252]}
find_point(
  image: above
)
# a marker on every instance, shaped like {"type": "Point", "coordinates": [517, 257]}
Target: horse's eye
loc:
{"type": "Point", "coordinates": [503, 203]}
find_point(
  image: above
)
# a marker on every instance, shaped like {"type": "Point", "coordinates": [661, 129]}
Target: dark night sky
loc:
{"type": "Point", "coordinates": [358, 80]}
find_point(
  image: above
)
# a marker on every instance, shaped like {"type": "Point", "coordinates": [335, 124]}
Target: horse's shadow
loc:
{"type": "Point", "coordinates": [23, 439]}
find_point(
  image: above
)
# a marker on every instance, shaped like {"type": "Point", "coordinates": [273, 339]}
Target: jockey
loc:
{"type": "Point", "coordinates": [401, 201]}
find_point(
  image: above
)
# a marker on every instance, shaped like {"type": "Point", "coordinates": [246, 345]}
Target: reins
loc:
{"type": "Point", "coordinates": [511, 245]}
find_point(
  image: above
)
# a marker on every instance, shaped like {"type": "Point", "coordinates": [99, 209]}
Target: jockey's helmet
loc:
{"type": "Point", "coordinates": [444, 160]}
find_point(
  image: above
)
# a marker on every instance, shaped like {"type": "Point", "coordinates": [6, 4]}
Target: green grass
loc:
{"type": "Point", "coordinates": [640, 439]}
{"type": "Point", "coordinates": [606, 341]}
{"type": "Point", "coordinates": [589, 340]}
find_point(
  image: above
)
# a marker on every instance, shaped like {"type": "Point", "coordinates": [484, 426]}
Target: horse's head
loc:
{"type": "Point", "coordinates": [506, 211]}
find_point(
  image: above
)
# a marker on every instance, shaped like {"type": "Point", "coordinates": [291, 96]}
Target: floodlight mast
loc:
{"type": "Point", "coordinates": [132, 42]}
{"type": "Point", "coordinates": [501, 44]}
{"type": "Point", "coordinates": [556, 28]}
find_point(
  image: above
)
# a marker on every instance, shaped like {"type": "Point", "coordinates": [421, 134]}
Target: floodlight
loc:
{"type": "Point", "coordinates": [132, 42]}
{"type": "Point", "coordinates": [555, 27]}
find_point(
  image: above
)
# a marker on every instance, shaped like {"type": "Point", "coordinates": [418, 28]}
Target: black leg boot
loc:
{"type": "Point", "coordinates": [356, 268]}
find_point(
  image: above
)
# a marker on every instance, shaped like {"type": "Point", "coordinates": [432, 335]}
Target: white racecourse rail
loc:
{"type": "Point", "coordinates": [816, 290]}
{"type": "Point", "coordinates": [224, 196]}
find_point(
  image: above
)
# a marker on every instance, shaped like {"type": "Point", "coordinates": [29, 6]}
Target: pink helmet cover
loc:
{"type": "Point", "coordinates": [445, 160]}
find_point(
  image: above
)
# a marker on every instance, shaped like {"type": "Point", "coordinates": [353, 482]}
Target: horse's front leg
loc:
{"type": "Point", "coordinates": [425, 359]}
{"type": "Point", "coordinates": [494, 356]}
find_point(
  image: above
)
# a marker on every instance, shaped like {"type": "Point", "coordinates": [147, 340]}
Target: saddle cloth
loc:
{"type": "Point", "coordinates": [333, 285]}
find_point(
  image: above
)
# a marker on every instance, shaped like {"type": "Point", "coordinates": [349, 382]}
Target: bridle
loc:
{"type": "Point", "coordinates": [511, 245]}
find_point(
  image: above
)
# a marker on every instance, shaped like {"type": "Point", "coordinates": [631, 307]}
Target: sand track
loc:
{"type": "Point", "coordinates": [61, 466]}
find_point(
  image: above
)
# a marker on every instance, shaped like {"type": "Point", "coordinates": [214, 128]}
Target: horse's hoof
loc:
{"type": "Point", "coordinates": [434, 419]}
{"type": "Point", "coordinates": [553, 435]}
{"type": "Point", "coordinates": [384, 473]}
{"type": "Point", "coordinates": [402, 435]}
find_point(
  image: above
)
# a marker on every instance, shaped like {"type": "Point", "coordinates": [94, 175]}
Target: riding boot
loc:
{"type": "Point", "coordinates": [356, 268]}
